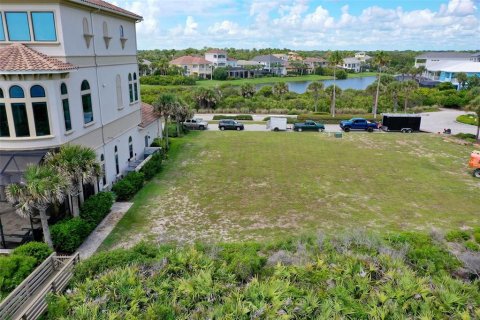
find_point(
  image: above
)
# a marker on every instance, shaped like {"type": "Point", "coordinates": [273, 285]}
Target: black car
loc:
{"type": "Point", "coordinates": [230, 125]}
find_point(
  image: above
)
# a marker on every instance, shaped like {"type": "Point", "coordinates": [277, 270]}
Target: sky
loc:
{"type": "Point", "coordinates": [308, 24]}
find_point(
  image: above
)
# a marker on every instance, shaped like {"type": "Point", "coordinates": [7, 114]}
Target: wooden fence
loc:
{"type": "Point", "coordinates": [28, 300]}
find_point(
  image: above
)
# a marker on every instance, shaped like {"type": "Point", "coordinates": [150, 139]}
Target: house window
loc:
{"type": "Point", "coordinates": [4, 129]}
{"type": "Point", "coordinates": [43, 26]}
{"type": "Point", "coordinates": [146, 141]}
{"type": "Point", "coordinates": [104, 174]}
{"type": "Point", "coordinates": [86, 102]}
{"type": "Point", "coordinates": [122, 34]}
{"type": "Point", "coordinates": [19, 112]}
{"type": "Point", "coordinates": [17, 26]}
{"type": "Point", "coordinates": [118, 85]}
{"type": "Point", "coordinates": [40, 111]}
{"type": "Point", "coordinates": [130, 87]}
{"type": "Point", "coordinates": [130, 147]}
{"type": "Point", "coordinates": [66, 107]}
{"type": "Point", "coordinates": [117, 166]}
{"type": "Point", "coordinates": [135, 85]}
{"type": "Point", "coordinates": [2, 32]}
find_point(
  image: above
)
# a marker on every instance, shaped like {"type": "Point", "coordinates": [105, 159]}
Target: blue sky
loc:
{"type": "Point", "coordinates": [308, 24]}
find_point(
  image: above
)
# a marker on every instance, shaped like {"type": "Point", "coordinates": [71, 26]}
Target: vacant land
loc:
{"type": "Point", "coordinates": [232, 186]}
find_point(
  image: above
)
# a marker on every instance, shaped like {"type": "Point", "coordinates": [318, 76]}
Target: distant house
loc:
{"type": "Point", "coordinates": [194, 66]}
{"type": "Point", "coordinates": [362, 56]}
{"type": "Point", "coordinates": [217, 57]}
{"type": "Point", "coordinates": [351, 64]}
{"type": "Point", "coordinates": [313, 63]}
{"type": "Point", "coordinates": [271, 64]}
{"type": "Point", "coordinates": [429, 58]}
{"type": "Point", "coordinates": [231, 62]}
{"type": "Point", "coordinates": [447, 71]}
{"type": "Point", "coordinates": [282, 56]}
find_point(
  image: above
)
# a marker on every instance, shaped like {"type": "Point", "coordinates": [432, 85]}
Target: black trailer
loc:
{"type": "Point", "coordinates": [406, 123]}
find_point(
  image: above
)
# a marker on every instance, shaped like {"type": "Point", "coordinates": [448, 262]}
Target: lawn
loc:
{"type": "Point", "coordinates": [470, 118]}
{"type": "Point", "coordinates": [230, 186]}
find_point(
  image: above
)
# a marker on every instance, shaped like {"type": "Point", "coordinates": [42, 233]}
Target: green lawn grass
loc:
{"type": "Point", "coordinates": [468, 119]}
{"type": "Point", "coordinates": [230, 186]}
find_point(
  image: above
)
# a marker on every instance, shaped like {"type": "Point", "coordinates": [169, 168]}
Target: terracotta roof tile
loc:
{"type": "Point", "coordinates": [189, 60]}
{"type": "Point", "coordinates": [18, 57]}
{"type": "Point", "coordinates": [148, 115]}
{"type": "Point", "coordinates": [109, 6]}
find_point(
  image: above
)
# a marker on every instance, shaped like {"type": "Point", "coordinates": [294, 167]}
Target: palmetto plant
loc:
{"type": "Point", "coordinates": [316, 89]}
{"type": "Point", "coordinates": [165, 106]}
{"type": "Point", "coordinates": [42, 186]}
{"type": "Point", "coordinates": [280, 89]}
{"type": "Point", "coordinates": [380, 60]}
{"type": "Point", "coordinates": [78, 164]}
{"type": "Point", "coordinates": [334, 60]}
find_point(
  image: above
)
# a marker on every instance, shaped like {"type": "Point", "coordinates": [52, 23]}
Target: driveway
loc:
{"type": "Point", "coordinates": [446, 119]}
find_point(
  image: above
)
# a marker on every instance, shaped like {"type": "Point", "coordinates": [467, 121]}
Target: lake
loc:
{"type": "Point", "coordinates": [352, 83]}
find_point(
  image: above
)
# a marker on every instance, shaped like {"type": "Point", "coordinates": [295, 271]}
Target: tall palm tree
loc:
{"type": "Point", "coordinates": [474, 105]}
{"type": "Point", "coordinates": [334, 60]}
{"type": "Point", "coordinates": [316, 89]}
{"type": "Point", "coordinates": [380, 60]}
{"type": "Point", "coordinates": [165, 106]}
{"type": "Point", "coordinates": [42, 186]}
{"type": "Point", "coordinates": [408, 87]}
{"type": "Point", "coordinates": [79, 164]}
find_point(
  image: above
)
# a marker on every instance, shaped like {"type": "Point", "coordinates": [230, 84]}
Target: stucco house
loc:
{"type": "Point", "coordinates": [351, 64]}
{"type": "Point", "coordinates": [271, 64]}
{"type": "Point", "coordinates": [194, 66]}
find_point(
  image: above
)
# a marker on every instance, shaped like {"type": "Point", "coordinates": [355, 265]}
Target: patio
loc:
{"type": "Point", "coordinates": [15, 230]}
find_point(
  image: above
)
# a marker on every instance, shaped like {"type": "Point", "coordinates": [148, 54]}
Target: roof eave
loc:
{"type": "Point", "coordinates": [137, 18]}
{"type": "Point", "coordinates": [36, 71]}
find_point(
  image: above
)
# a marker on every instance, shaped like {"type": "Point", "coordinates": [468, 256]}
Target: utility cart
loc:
{"type": "Point", "coordinates": [475, 163]}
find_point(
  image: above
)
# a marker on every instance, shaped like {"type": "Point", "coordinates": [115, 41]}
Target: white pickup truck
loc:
{"type": "Point", "coordinates": [196, 124]}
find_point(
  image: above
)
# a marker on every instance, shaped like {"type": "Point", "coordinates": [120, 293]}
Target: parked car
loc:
{"type": "Point", "coordinates": [196, 124]}
{"type": "Point", "coordinates": [308, 125]}
{"type": "Point", "coordinates": [358, 124]}
{"type": "Point", "coordinates": [277, 124]}
{"type": "Point", "coordinates": [227, 124]}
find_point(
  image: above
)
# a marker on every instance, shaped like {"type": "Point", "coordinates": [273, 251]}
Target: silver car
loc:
{"type": "Point", "coordinates": [196, 124]}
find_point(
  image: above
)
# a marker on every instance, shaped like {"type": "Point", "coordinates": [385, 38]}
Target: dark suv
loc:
{"type": "Point", "coordinates": [227, 124]}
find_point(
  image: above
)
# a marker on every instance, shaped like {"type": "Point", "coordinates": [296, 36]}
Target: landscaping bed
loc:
{"type": "Point", "coordinates": [468, 119]}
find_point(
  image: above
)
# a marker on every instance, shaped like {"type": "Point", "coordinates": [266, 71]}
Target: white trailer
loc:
{"type": "Point", "coordinates": [277, 124]}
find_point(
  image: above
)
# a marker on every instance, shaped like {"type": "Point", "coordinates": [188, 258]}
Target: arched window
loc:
{"type": "Point", "coordinates": [130, 87]}
{"type": "Point", "coordinates": [4, 129]}
{"type": "Point", "coordinates": [19, 111]}
{"type": "Point", "coordinates": [86, 102]}
{"type": "Point", "coordinates": [40, 111]}
{"type": "Point", "coordinates": [104, 174]}
{"type": "Point", "coordinates": [146, 141]}
{"type": "Point", "coordinates": [66, 107]}
{"type": "Point", "coordinates": [130, 147]}
{"type": "Point", "coordinates": [135, 85]}
{"type": "Point", "coordinates": [118, 81]}
{"type": "Point", "coordinates": [106, 37]}
{"type": "Point", "coordinates": [117, 166]}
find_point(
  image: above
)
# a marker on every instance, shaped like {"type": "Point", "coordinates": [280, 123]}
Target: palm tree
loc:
{"type": "Point", "coordinates": [248, 90]}
{"type": "Point", "coordinates": [42, 186]}
{"type": "Point", "coordinates": [474, 105]}
{"type": "Point", "coordinates": [380, 60]}
{"type": "Point", "coordinates": [394, 88]}
{"type": "Point", "coordinates": [165, 106]}
{"type": "Point", "coordinates": [334, 60]}
{"type": "Point", "coordinates": [78, 164]}
{"type": "Point", "coordinates": [181, 112]}
{"type": "Point", "coordinates": [280, 89]}
{"type": "Point", "coordinates": [316, 89]}
{"type": "Point", "coordinates": [462, 79]}
{"type": "Point", "coordinates": [407, 88]}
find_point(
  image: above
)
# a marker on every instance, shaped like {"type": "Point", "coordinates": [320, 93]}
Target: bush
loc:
{"type": "Point", "coordinates": [97, 207]}
{"type": "Point", "coordinates": [476, 236]}
{"type": "Point", "coordinates": [220, 74]}
{"type": "Point", "coordinates": [457, 236]}
{"type": "Point", "coordinates": [467, 137]}
{"type": "Point", "coordinates": [167, 80]}
{"type": "Point", "coordinates": [68, 235]}
{"type": "Point", "coordinates": [472, 246]}
{"type": "Point", "coordinates": [37, 250]}
{"type": "Point", "coordinates": [243, 259]}
{"type": "Point", "coordinates": [237, 117]}
{"type": "Point", "coordinates": [13, 270]}
{"type": "Point", "coordinates": [153, 166]}
{"type": "Point", "coordinates": [127, 187]}
{"type": "Point", "coordinates": [341, 74]}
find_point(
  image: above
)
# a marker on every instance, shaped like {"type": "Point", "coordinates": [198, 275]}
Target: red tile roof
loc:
{"type": "Point", "coordinates": [108, 6]}
{"type": "Point", "coordinates": [18, 57]}
{"type": "Point", "coordinates": [148, 115]}
{"type": "Point", "coordinates": [216, 51]}
{"type": "Point", "coordinates": [185, 60]}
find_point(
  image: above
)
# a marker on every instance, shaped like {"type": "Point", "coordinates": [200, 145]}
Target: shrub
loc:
{"type": "Point", "coordinates": [127, 187]}
{"type": "Point", "coordinates": [237, 117]}
{"type": "Point", "coordinates": [68, 235]}
{"type": "Point", "coordinates": [457, 236]}
{"type": "Point", "coordinates": [472, 246]}
{"type": "Point", "coordinates": [341, 74]}
{"type": "Point", "coordinates": [37, 250]}
{"type": "Point", "coordinates": [167, 80]}
{"type": "Point", "coordinates": [243, 259]}
{"type": "Point", "coordinates": [96, 207]}
{"type": "Point", "coordinates": [220, 74]}
{"type": "Point", "coordinates": [153, 166]}
{"type": "Point", "coordinates": [476, 236]}
{"type": "Point", "coordinates": [13, 269]}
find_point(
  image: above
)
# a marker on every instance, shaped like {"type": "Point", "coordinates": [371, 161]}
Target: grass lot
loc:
{"type": "Point", "coordinates": [254, 185]}
{"type": "Point", "coordinates": [468, 119]}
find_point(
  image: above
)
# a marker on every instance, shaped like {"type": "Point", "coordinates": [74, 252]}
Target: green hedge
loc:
{"type": "Point", "coordinates": [153, 166]}
{"type": "Point", "coordinates": [68, 235]}
{"type": "Point", "coordinates": [167, 80]}
{"type": "Point", "coordinates": [97, 207]}
{"type": "Point", "coordinates": [237, 117]}
{"type": "Point", "coordinates": [17, 266]}
{"type": "Point", "coordinates": [127, 187]}
{"type": "Point", "coordinates": [334, 120]}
